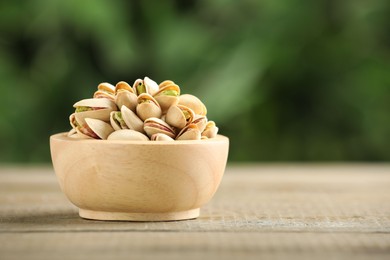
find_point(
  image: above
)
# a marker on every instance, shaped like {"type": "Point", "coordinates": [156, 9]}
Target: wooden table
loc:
{"type": "Point", "coordinates": [337, 211]}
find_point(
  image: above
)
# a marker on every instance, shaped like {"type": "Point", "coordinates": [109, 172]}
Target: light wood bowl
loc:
{"type": "Point", "coordinates": [138, 180]}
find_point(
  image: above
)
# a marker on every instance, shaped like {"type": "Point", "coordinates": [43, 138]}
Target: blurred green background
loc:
{"type": "Point", "coordinates": [298, 80]}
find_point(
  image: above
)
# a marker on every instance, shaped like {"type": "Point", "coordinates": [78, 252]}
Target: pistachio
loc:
{"type": "Point", "coordinates": [99, 128]}
{"type": "Point", "coordinates": [167, 96]}
{"type": "Point", "coordinates": [190, 132]}
{"type": "Point", "coordinates": [179, 116]}
{"type": "Point", "coordinates": [161, 137]}
{"type": "Point", "coordinates": [154, 126]}
{"type": "Point", "coordinates": [194, 103]}
{"type": "Point", "coordinates": [105, 90]}
{"type": "Point", "coordinates": [132, 120]}
{"type": "Point", "coordinates": [211, 130]}
{"type": "Point", "coordinates": [125, 96]}
{"type": "Point", "coordinates": [148, 107]}
{"type": "Point", "coordinates": [117, 121]}
{"type": "Point", "coordinates": [127, 134]}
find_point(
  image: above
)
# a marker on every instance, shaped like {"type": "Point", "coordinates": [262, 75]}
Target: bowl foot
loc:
{"type": "Point", "coordinates": [131, 216]}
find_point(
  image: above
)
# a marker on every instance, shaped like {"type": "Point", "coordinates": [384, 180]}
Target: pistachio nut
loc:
{"type": "Point", "coordinates": [132, 121]}
{"type": "Point", "coordinates": [190, 132]}
{"type": "Point", "coordinates": [154, 126]}
{"type": "Point", "coordinates": [165, 83]}
{"type": "Point", "coordinates": [90, 127]}
{"type": "Point", "coordinates": [105, 90]}
{"type": "Point", "coordinates": [99, 128]}
{"type": "Point", "coordinates": [161, 137]}
{"type": "Point", "coordinates": [200, 122]}
{"type": "Point", "coordinates": [194, 103]}
{"type": "Point", "coordinates": [79, 130]}
{"type": "Point", "coordinates": [147, 107]}
{"type": "Point", "coordinates": [117, 121]}
{"type": "Point", "coordinates": [179, 116]}
{"type": "Point", "coordinates": [127, 134]}
{"type": "Point", "coordinates": [167, 96]}
{"type": "Point", "coordinates": [125, 96]}
{"type": "Point", "coordinates": [146, 85]}
{"type": "Point", "coordinates": [98, 108]}
{"type": "Point", "coordinates": [211, 130]}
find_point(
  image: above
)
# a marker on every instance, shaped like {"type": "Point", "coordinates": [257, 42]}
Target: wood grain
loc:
{"type": "Point", "coordinates": [259, 211]}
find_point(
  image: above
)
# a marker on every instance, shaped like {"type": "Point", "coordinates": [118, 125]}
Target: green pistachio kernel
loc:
{"type": "Point", "coordinates": [83, 109]}
{"type": "Point", "coordinates": [141, 88]}
{"type": "Point", "coordinates": [170, 92]}
{"type": "Point", "coordinates": [187, 115]}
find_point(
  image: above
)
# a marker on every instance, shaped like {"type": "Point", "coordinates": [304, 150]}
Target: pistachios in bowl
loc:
{"type": "Point", "coordinates": [144, 111]}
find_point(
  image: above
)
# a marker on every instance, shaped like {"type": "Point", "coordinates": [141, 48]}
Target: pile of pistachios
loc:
{"type": "Point", "coordinates": [144, 111]}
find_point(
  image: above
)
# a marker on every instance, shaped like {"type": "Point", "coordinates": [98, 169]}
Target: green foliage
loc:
{"type": "Point", "coordinates": [285, 80]}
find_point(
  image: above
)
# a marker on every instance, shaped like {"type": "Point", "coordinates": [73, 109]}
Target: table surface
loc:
{"type": "Point", "coordinates": [294, 211]}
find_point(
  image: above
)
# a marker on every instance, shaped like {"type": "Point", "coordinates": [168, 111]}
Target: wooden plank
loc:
{"type": "Point", "coordinates": [273, 211]}
{"type": "Point", "coordinates": [194, 245]}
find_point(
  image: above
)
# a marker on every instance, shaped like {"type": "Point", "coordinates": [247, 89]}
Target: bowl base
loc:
{"type": "Point", "coordinates": [131, 216]}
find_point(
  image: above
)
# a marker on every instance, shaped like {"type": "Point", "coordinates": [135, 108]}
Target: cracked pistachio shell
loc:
{"type": "Point", "coordinates": [179, 116]}
{"type": "Point", "coordinates": [99, 127]}
{"type": "Point", "coordinates": [194, 103]}
{"type": "Point", "coordinates": [126, 98]}
{"type": "Point", "coordinates": [117, 121]}
{"type": "Point", "coordinates": [165, 83]}
{"type": "Point", "coordinates": [146, 85]}
{"type": "Point", "coordinates": [98, 108]}
{"type": "Point", "coordinates": [155, 126]}
{"type": "Point", "coordinates": [123, 86]}
{"type": "Point", "coordinates": [190, 132]}
{"type": "Point", "coordinates": [105, 90]}
{"type": "Point", "coordinates": [132, 121]}
{"type": "Point", "coordinates": [127, 134]}
{"type": "Point", "coordinates": [151, 86]}
{"type": "Point", "coordinates": [211, 130]}
{"type": "Point", "coordinates": [168, 96]}
{"type": "Point", "coordinates": [79, 130]}
{"type": "Point", "coordinates": [200, 122]}
{"type": "Point", "coordinates": [147, 107]}
{"type": "Point", "coordinates": [161, 137]}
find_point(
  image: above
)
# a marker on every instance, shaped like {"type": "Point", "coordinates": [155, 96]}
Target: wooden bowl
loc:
{"type": "Point", "coordinates": [138, 180]}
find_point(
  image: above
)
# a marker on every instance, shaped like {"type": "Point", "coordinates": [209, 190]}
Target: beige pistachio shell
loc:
{"type": "Point", "coordinates": [165, 83]}
{"type": "Point", "coordinates": [200, 122]}
{"type": "Point", "coordinates": [106, 87]}
{"type": "Point", "coordinates": [190, 132]}
{"type": "Point", "coordinates": [117, 121]}
{"type": "Point", "coordinates": [126, 98]}
{"type": "Point", "coordinates": [139, 87]}
{"type": "Point", "coordinates": [99, 127]}
{"type": "Point", "coordinates": [147, 107]}
{"type": "Point", "coordinates": [151, 86]}
{"type": "Point", "coordinates": [179, 116]}
{"type": "Point", "coordinates": [211, 130]}
{"type": "Point", "coordinates": [80, 126]}
{"type": "Point", "coordinates": [155, 126]}
{"type": "Point", "coordinates": [132, 121]}
{"type": "Point", "coordinates": [127, 134]}
{"type": "Point", "coordinates": [97, 103]}
{"type": "Point", "coordinates": [168, 96]}
{"type": "Point", "coordinates": [146, 85]}
{"type": "Point", "coordinates": [194, 103]}
{"type": "Point", "coordinates": [100, 109]}
{"type": "Point", "coordinates": [105, 90]}
{"type": "Point", "coordinates": [161, 137]}
{"type": "Point", "coordinates": [123, 86]}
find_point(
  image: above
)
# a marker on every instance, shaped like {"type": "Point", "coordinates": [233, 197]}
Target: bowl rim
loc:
{"type": "Point", "coordinates": [63, 136]}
